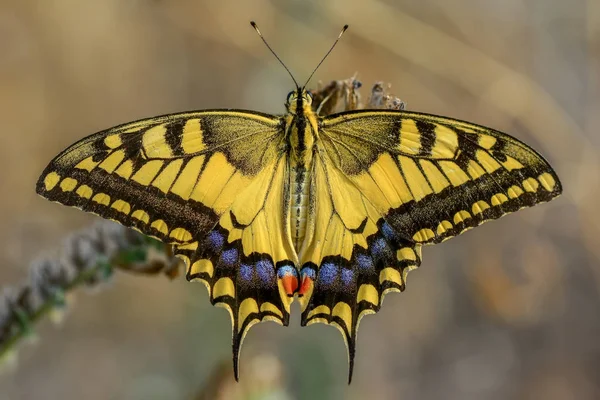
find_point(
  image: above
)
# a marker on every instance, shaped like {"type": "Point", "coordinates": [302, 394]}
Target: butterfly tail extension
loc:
{"type": "Point", "coordinates": [247, 286]}
{"type": "Point", "coordinates": [343, 291]}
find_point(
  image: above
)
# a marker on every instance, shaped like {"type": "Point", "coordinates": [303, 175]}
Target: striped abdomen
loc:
{"type": "Point", "coordinates": [300, 185]}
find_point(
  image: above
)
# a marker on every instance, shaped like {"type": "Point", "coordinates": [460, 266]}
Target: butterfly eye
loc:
{"type": "Point", "coordinates": [309, 97]}
{"type": "Point", "coordinates": [289, 96]}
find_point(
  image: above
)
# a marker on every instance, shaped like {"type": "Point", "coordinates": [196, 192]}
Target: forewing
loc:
{"type": "Point", "coordinates": [211, 183]}
{"type": "Point", "coordinates": [389, 182]}
{"type": "Point", "coordinates": [433, 177]}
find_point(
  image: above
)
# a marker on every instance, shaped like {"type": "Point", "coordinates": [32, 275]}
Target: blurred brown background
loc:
{"type": "Point", "coordinates": [508, 311]}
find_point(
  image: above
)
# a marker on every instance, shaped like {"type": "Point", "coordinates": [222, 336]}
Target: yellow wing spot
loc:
{"type": "Point", "coordinates": [165, 179]}
{"type": "Point", "coordinates": [181, 235]}
{"type": "Point", "coordinates": [486, 141]}
{"type": "Point", "coordinates": [84, 191]}
{"type": "Point", "coordinates": [112, 161]}
{"type": "Point", "coordinates": [487, 162]}
{"type": "Point", "coordinates": [474, 169]}
{"type": "Point", "coordinates": [434, 176]}
{"type": "Point", "coordinates": [160, 226]}
{"type": "Point", "coordinates": [247, 307]}
{"type": "Point", "coordinates": [406, 253]}
{"type": "Point", "coordinates": [192, 140]}
{"type": "Point", "coordinates": [547, 181]}
{"type": "Point", "coordinates": [414, 178]}
{"type": "Point", "coordinates": [514, 192]}
{"type": "Point", "coordinates": [68, 184]}
{"type": "Point", "coordinates": [270, 307]}
{"type": "Point", "coordinates": [141, 215]}
{"type": "Point", "coordinates": [125, 169]}
{"type": "Point", "coordinates": [88, 164]}
{"type": "Point", "coordinates": [531, 185]}
{"type": "Point", "coordinates": [511, 164]}
{"type": "Point", "coordinates": [113, 141]}
{"type": "Point", "coordinates": [423, 235]}
{"type": "Point", "coordinates": [390, 274]}
{"type": "Point", "coordinates": [202, 267]}
{"type": "Point", "coordinates": [367, 292]}
{"type": "Point", "coordinates": [343, 311]}
{"type": "Point", "coordinates": [410, 137]}
{"type": "Point", "coordinates": [147, 172]}
{"type": "Point", "coordinates": [446, 142]}
{"type": "Point", "coordinates": [443, 227]}
{"type": "Point", "coordinates": [322, 309]}
{"type": "Point", "coordinates": [461, 216]}
{"type": "Point", "coordinates": [498, 199]}
{"type": "Point", "coordinates": [187, 179]}
{"type": "Point", "coordinates": [223, 287]}
{"type": "Point", "coordinates": [102, 198]}
{"type": "Point", "coordinates": [479, 207]}
{"type": "Point", "coordinates": [193, 246]}
{"type": "Point", "coordinates": [155, 144]}
{"type": "Point", "coordinates": [121, 206]}
{"type": "Point", "coordinates": [51, 180]}
{"type": "Point", "coordinates": [456, 175]}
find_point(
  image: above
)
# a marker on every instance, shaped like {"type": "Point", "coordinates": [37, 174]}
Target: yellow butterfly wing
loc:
{"type": "Point", "coordinates": [388, 182]}
{"type": "Point", "coordinates": [212, 183]}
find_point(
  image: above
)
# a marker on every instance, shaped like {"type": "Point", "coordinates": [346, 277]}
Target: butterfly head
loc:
{"type": "Point", "coordinates": [299, 100]}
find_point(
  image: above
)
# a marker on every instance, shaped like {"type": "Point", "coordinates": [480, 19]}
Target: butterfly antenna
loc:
{"type": "Point", "coordinates": [275, 54]}
{"type": "Point", "coordinates": [323, 59]}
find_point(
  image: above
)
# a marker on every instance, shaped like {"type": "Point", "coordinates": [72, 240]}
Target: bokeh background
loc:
{"type": "Point", "coordinates": [508, 311]}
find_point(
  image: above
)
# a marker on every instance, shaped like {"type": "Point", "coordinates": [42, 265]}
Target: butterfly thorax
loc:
{"type": "Point", "coordinates": [301, 127]}
{"type": "Point", "coordinates": [301, 134]}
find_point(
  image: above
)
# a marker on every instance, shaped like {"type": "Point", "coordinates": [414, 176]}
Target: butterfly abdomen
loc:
{"type": "Point", "coordinates": [299, 203]}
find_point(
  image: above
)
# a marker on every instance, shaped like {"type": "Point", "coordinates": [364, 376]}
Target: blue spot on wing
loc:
{"type": "Point", "coordinates": [364, 262]}
{"type": "Point", "coordinates": [229, 257]}
{"type": "Point", "coordinates": [265, 269]}
{"type": "Point", "coordinates": [216, 240]}
{"type": "Point", "coordinates": [378, 247]}
{"type": "Point", "coordinates": [347, 276]}
{"type": "Point", "coordinates": [328, 273]}
{"type": "Point", "coordinates": [246, 272]}
{"type": "Point", "coordinates": [381, 252]}
{"type": "Point", "coordinates": [388, 232]}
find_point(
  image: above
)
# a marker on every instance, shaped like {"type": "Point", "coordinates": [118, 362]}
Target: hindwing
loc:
{"type": "Point", "coordinates": [388, 182]}
{"type": "Point", "coordinates": [211, 183]}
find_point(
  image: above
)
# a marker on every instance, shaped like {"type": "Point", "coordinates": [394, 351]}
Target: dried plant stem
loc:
{"type": "Point", "coordinates": [88, 259]}
{"type": "Point", "coordinates": [27, 319]}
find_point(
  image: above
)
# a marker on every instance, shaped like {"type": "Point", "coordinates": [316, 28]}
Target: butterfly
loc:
{"type": "Point", "coordinates": [331, 210]}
